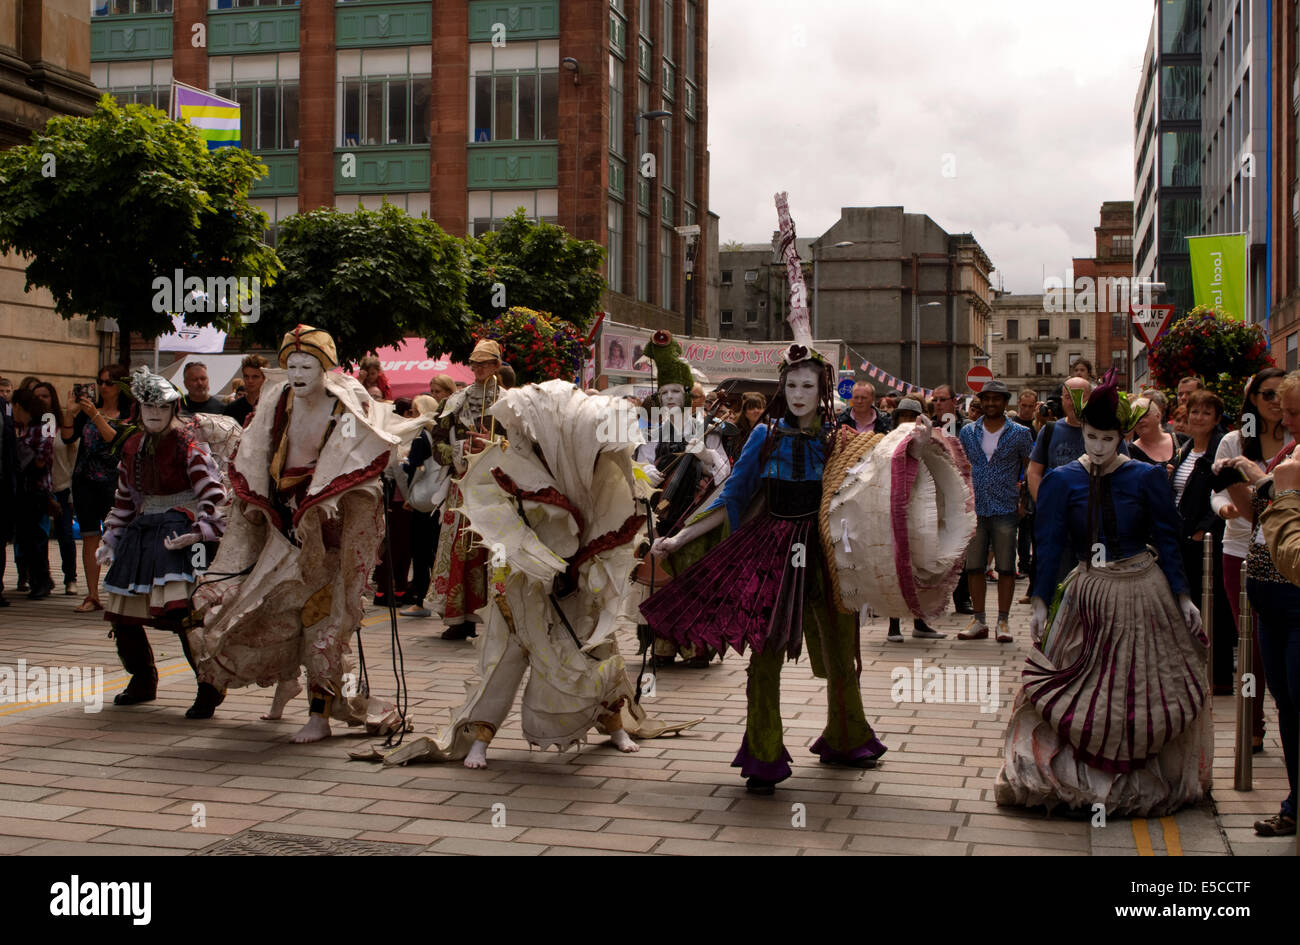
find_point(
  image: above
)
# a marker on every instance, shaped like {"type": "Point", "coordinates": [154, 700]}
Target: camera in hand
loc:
{"type": "Point", "coordinates": [83, 390]}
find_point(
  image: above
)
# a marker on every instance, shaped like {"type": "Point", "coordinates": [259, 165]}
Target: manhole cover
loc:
{"type": "Point", "coordinates": [262, 843]}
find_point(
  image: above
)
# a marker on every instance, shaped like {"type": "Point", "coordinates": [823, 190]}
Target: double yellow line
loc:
{"type": "Point", "coordinates": [1142, 837]}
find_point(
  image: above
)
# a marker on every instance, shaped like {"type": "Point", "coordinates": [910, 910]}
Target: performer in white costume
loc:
{"type": "Point", "coordinates": [554, 506]}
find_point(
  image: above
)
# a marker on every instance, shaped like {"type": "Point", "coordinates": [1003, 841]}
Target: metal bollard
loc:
{"type": "Point", "coordinates": [1207, 615]}
{"type": "Point", "coordinates": [1243, 769]}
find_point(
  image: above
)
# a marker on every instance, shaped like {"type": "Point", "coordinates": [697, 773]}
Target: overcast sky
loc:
{"type": "Point", "coordinates": [858, 102]}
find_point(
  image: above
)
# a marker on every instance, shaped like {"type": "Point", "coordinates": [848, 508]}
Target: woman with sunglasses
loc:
{"type": "Point", "coordinates": [98, 427]}
{"type": "Point", "coordinates": [1260, 437]}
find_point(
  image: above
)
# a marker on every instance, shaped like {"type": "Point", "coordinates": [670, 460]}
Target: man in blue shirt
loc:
{"type": "Point", "coordinates": [998, 452]}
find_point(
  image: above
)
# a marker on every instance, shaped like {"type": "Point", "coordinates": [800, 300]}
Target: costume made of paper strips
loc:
{"type": "Point", "coordinates": [766, 588]}
{"type": "Point", "coordinates": [1112, 709]}
{"type": "Point", "coordinates": [287, 582]}
{"type": "Point", "coordinates": [460, 566]}
{"type": "Point", "coordinates": [556, 510]}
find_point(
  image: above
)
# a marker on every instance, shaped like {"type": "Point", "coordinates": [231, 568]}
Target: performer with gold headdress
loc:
{"type": "Point", "coordinates": [464, 428]}
{"type": "Point", "coordinates": [286, 586]}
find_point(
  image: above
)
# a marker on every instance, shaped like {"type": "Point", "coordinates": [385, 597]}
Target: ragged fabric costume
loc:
{"type": "Point", "coordinates": [765, 588]}
{"type": "Point", "coordinates": [555, 512]}
{"type": "Point", "coordinates": [460, 566]}
{"type": "Point", "coordinates": [285, 591]}
{"type": "Point", "coordinates": [1113, 705]}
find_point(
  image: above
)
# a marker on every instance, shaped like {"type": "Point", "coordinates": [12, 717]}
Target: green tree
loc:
{"type": "Point", "coordinates": [104, 205]}
{"type": "Point", "coordinates": [537, 266]}
{"type": "Point", "coordinates": [370, 278]}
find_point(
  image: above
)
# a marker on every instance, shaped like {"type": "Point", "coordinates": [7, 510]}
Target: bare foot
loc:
{"type": "Point", "coordinates": [623, 741]}
{"type": "Point", "coordinates": [477, 757]}
{"type": "Point", "coordinates": [284, 691]}
{"type": "Point", "coordinates": [317, 727]}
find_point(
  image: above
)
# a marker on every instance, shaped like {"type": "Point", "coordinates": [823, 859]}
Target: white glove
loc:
{"type": "Point", "coordinates": [652, 474]}
{"type": "Point", "coordinates": [177, 542]}
{"type": "Point", "coordinates": [1038, 621]}
{"type": "Point", "coordinates": [104, 554]}
{"type": "Point", "coordinates": [919, 438]}
{"type": "Point", "coordinates": [664, 546]}
{"type": "Point", "coordinates": [1191, 615]}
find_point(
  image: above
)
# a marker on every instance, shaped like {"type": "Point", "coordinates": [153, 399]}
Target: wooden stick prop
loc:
{"type": "Point", "coordinates": [798, 318]}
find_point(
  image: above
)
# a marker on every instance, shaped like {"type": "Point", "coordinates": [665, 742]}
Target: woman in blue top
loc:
{"type": "Point", "coordinates": [1111, 710]}
{"type": "Point", "coordinates": [766, 585]}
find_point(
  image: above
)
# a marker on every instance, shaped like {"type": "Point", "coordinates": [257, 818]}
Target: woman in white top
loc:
{"type": "Point", "coordinates": [1261, 415]}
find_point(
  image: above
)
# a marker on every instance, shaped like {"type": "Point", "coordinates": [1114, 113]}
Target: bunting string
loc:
{"type": "Point", "coordinates": [877, 373]}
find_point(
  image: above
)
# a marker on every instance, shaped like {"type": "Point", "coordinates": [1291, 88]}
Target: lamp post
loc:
{"type": "Point", "coordinates": [816, 280]}
{"type": "Point", "coordinates": [916, 337]}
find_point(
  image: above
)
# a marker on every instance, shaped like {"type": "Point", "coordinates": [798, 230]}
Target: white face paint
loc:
{"type": "Point", "coordinates": [155, 419]}
{"type": "Point", "coordinates": [306, 376]}
{"type": "Point", "coordinates": [672, 396]}
{"type": "Point", "coordinates": [801, 390]}
{"type": "Point", "coordinates": [1100, 445]}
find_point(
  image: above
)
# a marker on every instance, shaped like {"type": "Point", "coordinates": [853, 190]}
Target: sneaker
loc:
{"type": "Point", "coordinates": [69, 590]}
{"type": "Point", "coordinates": [1004, 632]}
{"type": "Point", "coordinates": [415, 610]}
{"type": "Point", "coordinates": [975, 630]}
{"type": "Point", "coordinates": [1024, 600]}
{"type": "Point", "coordinates": [895, 634]}
{"type": "Point", "coordinates": [460, 632]}
{"type": "Point", "coordinates": [926, 632]}
{"type": "Point", "coordinates": [1279, 825]}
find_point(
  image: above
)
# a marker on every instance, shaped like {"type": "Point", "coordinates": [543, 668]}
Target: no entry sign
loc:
{"type": "Point", "coordinates": [977, 377]}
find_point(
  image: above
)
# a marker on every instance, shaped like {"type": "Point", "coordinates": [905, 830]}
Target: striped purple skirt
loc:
{"type": "Point", "coordinates": [748, 591]}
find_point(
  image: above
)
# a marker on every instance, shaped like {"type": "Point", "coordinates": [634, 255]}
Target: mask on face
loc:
{"type": "Point", "coordinates": [1100, 445]}
{"type": "Point", "coordinates": [155, 419]}
{"type": "Point", "coordinates": [306, 376]}
{"type": "Point", "coordinates": [672, 396]}
{"type": "Point", "coordinates": [801, 391]}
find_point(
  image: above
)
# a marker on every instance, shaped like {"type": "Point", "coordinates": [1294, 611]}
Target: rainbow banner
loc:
{"type": "Point", "coordinates": [216, 118]}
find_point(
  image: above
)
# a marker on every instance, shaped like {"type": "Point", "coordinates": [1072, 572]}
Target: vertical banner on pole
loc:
{"type": "Point", "coordinates": [1219, 272]}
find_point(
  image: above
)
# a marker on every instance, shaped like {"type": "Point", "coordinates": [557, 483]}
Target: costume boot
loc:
{"type": "Point", "coordinates": [136, 654]}
{"type": "Point", "coordinates": [209, 696]}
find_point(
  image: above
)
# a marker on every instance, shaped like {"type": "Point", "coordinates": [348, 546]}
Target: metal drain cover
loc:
{"type": "Point", "coordinates": [263, 843]}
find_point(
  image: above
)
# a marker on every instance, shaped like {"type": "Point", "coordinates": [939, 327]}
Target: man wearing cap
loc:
{"type": "Point", "coordinates": [998, 452]}
{"type": "Point", "coordinates": [302, 534]}
{"type": "Point", "coordinates": [908, 409]}
{"type": "Point", "coordinates": [464, 427]}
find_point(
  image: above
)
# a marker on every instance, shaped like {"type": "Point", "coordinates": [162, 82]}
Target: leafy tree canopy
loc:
{"type": "Point", "coordinates": [540, 267]}
{"type": "Point", "coordinates": [104, 205]}
{"type": "Point", "coordinates": [370, 278]}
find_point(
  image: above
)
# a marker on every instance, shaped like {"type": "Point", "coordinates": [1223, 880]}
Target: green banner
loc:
{"type": "Point", "coordinates": [1219, 272]}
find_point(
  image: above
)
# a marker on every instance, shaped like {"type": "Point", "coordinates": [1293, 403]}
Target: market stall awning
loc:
{"type": "Point", "coordinates": [409, 368]}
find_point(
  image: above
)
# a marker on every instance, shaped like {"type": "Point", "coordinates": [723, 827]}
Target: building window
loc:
{"type": "Point", "coordinates": [1180, 160]}
{"type": "Point", "coordinates": [726, 277]}
{"type": "Point", "coordinates": [124, 7]}
{"type": "Point", "coordinates": [1044, 328]}
{"type": "Point", "coordinates": [1118, 362]}
{"type": "Point", "coordinates": [1013, 329]}
{"type": "Point", "coordinates": [666, 36]}
{"type": "Point", "coordinates": [615, 104]}
{"type": "Point", "coordinates": [488, 208]}
{"type": "Point", "coordinates": [515, 91]}
{"type": "Point", "coordinates": [688, 54]}
{"type": "Point", "coordinates": [726, 318]}
{"type": "Point", "coordinates": [666, 161]}
{"type": "Point", "coordinates": [751, 275]}
{"type": "Point", "coordinates": [751, 316]}
{"type": "Point", "coordinates": [384, 96]}
{"type": "Point", "coordinates": [413, 204]}
{"type": "Point", "coordinates": [1121, 246]}
{"type": "Point", "coordinates": [276, 210]}
{"type": "Point", "coordinates": [143, 82]}
{"type": "Point", "coordinates": [1013, 364]}
{"type": "Point", "coordinates": [266, 88]}
{"type": "Point", "coordinates": [1042, 365]}
{"type": "Point", "coordinates": [242, 4]}
{"type": "Point", "coordinates": [666, 267]}
{"type": "Point", "coordinates": [1291, 342]}
{"type": "Point", "coordinates": [614, 274]}
{"type": "Point", "coordinates": [642, 258]}
{"type": "Point", "coordinates": [688, 171]}
{"type": "Point", "coordinates": [1119, 325]}
{"type": "Point", "coordinates": [1076, 328]}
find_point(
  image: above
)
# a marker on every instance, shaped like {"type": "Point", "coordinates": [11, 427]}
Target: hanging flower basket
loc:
{"type": "Point", "coordinates": [1212, 345]}
{"type": "Point", "coordinates": [538, 346]}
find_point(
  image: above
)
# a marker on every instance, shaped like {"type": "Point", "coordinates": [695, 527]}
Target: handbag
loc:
{"type": "Point", "coordinates": [429, 484]}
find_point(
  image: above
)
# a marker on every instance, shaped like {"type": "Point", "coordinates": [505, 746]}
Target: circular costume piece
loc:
{"type": "Point", "coordinates": [912, 565]}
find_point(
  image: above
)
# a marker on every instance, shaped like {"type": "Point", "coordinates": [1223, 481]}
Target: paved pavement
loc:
{"type": "Point", "coordinates": [144, 780]}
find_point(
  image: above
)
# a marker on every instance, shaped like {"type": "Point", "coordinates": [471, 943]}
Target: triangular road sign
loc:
{"type": "Point", "coordinates": [1150, 321]}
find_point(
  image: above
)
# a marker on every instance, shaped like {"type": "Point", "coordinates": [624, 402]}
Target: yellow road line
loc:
{"type": "Point", "coordinates": [109, 684]}
{"type": "Point", "coordinates": [1142, 837]}
{"type": "Point", "coordinates": [1173, 842]}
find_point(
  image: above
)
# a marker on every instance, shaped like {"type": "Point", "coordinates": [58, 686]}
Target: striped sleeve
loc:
{"type": "Point", "coordinates": [123, 511]}
{"type": "Point", "coordinates": [206, 482]}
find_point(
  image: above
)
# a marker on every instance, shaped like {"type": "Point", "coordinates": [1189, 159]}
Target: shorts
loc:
{"type": "Point", "coordinates": [91, 503]}
{"type": "Point", "coordinates": [998, 531]}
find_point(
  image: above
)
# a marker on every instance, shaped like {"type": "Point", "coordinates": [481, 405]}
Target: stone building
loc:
{"type": "Point", "coordinates": [44, 72]}
{"type": "Point", "coordinates": [1034, 346]}
{"type": "Point", "coordinates": [463, 110]}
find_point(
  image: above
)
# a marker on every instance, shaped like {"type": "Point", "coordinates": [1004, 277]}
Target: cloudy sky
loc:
{"type": "Point", "coordinates": [866, 102]}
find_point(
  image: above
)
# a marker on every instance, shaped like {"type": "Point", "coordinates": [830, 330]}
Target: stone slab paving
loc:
{"type": "Point", "coordinates": [144, 780]}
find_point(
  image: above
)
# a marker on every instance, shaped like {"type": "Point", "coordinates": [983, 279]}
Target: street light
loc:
{"type": "Point", "coordinates": [816, 281]}
{"type": "Point", "coordinates": [916, 337]}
